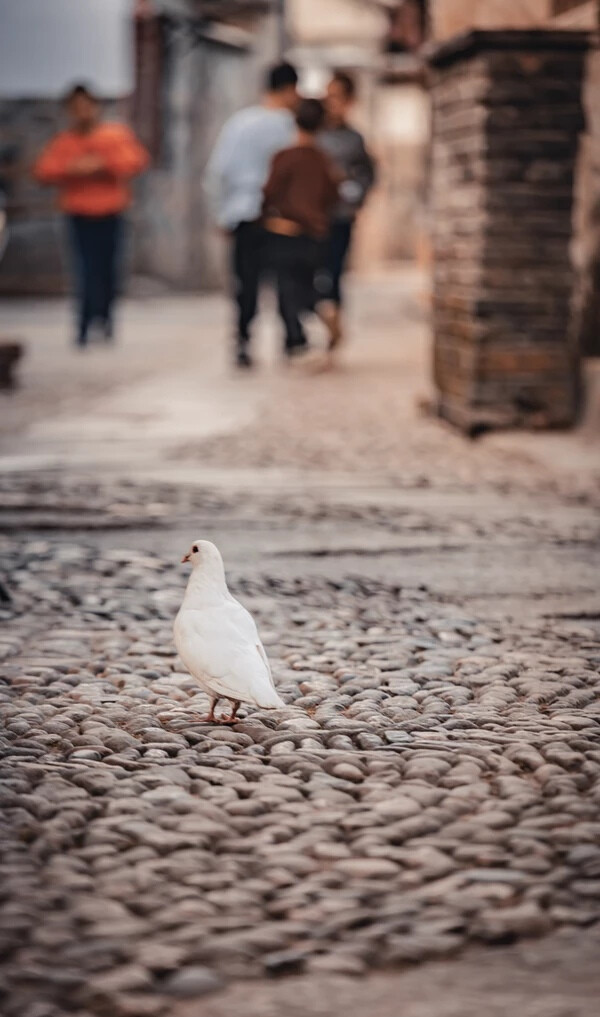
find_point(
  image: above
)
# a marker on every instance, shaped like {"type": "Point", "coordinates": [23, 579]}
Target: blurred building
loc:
{"type": "Point", "coordinates": [88, 43]}
{"type": "Point", "coordinates": [197, 62]}
{"type": "Point", "coordinates": [378, 41]}
{"type": "Point", "coordinates": [515, 198]}
{"type": "Point", "coordinates": [176, 69]}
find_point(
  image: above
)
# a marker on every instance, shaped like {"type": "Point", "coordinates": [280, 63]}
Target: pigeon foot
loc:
{"type": "Point", "coordinates": [211, 718]}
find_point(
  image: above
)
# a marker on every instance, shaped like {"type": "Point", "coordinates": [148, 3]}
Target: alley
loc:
{"type": "Point", "coordinates": [431, 609]}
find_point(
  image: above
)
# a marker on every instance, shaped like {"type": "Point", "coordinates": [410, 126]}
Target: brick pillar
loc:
{"type": "Point", "coordinates": [507, 114]}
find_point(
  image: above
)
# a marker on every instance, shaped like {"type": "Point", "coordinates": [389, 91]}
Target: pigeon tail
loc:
{"type": "Point", "coordinates": [270, 700]}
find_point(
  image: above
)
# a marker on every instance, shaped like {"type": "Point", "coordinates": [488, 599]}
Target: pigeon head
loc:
{"type": "Point", "coordinates": [203, 554]}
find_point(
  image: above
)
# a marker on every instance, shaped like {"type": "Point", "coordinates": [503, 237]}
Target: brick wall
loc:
{"type": "Point", "coordinates": [507, 118]}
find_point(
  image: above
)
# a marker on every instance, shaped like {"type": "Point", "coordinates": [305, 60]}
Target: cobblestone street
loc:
{"type": "Point", "coordinates": [431, 608]}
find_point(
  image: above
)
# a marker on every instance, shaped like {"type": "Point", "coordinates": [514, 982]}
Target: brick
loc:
{"type": "Point", "coordinates": [507, 115]}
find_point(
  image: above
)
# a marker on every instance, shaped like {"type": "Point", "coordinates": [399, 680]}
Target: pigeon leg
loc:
{"type": "Point", "coordinates": [231, 719]}
{"type": "Point", "coordinates": [210, 718]}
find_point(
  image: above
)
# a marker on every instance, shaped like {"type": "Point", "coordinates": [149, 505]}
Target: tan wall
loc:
{"type": "Point", "coordinates": [311, 22]}
{"type": "Point", "coordinates": [450, 17]}
{"type": "Point", "coordinates": [393, 225]}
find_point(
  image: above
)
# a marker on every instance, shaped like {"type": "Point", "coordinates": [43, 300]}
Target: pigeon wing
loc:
{"type": "Point", "coordinates": [221, 646]}
{"type": "Point", "coordinates": [247, 625]}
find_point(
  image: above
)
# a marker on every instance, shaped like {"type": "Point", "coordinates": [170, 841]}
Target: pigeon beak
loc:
{"type": "Point", "coordinates": [185, 558]}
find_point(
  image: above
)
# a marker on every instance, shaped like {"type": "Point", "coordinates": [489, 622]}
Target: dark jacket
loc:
{"type": "Point", "coordinates": [346, 148]}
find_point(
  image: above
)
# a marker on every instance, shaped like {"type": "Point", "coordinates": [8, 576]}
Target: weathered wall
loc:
{"type": "Point", "coordinates": [507, 118]}
{"type": "Point", "coordinates": [312, 22]}
{"type": "Point", "coordinates": [202, 85]}
{"type": "Point", "coordinates": [172, 238]}
{"type": "Point", "coordinates": [450, 17]}
{"type": "Point", "coordinates": [586, 245]}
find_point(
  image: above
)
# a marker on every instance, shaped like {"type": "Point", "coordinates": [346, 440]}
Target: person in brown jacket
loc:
{"type": "Point", "coordinates": [299, 197]}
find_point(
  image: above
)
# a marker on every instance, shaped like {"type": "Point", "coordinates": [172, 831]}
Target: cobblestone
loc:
{"type": "Point", "coordinates": [281, 844]}
{"type": "Point", "coordinates": [431, 784]}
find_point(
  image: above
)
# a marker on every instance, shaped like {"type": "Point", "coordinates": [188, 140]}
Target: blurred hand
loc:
{"type": "Point", "coordinates": [86, 165]}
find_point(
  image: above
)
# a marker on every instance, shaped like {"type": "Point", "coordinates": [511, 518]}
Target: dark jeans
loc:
{"type": "Point", "coordinates": [295, 262]}
{"type": "Point", "coordinates": [338, 246]}
{"type": "Point", "coordinates": [247, 265]}
{"type": "Point", "coordinates": [96, 248]}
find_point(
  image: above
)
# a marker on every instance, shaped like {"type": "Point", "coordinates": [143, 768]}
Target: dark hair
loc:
{"type": "Point", "coordinates": [281, 76]}
{"type": "Point", "coordinates": [346, 83]}
{"type": "Point", "coordinates": [79, 89]}
{"type": "Point", "coordinates": [310, 115]}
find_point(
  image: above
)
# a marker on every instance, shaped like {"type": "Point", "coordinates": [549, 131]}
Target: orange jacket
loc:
{"type": "Point", "coordinates": [105, 192]}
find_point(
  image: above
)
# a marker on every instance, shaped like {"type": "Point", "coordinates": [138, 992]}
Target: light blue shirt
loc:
{"type": "Point", "coordinates": [239, 165]}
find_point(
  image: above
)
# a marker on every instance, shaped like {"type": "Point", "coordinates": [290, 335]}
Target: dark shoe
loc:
{"type": "Point", "coordinates": [296, 351]}
{"type": "Point", "coordinates": [243, 358]}
{"type": "Point", "coordinates": [108, 330]}
{"type": "Point", "coordinates": [305, 357]}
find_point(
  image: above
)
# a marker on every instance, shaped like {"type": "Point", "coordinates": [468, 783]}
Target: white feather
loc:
{"type": "Point", "coordinates": [217, 639]}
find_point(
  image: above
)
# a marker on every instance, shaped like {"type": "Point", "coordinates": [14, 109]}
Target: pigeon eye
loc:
{"type": "Point", "coordinates": [195, 549]}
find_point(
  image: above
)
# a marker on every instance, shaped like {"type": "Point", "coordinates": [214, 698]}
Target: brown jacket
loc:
{"type": "Point", "coordinates": [302, 188]}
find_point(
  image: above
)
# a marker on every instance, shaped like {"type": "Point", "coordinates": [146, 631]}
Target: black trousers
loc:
{"type": "Point", "coordinates": [248, 263]}
{"type": "Point", "coordinates": [96, 247]}
{"type": "Point", "coordinates": [295, 262]}
{"type": "Point", "coordinates": [338, 246]}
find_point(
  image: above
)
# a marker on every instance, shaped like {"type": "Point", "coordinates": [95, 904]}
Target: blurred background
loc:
{"type": "Point", "coordinates": [176, 70]}
{"type": "Point", "coordinates": [416, 832]}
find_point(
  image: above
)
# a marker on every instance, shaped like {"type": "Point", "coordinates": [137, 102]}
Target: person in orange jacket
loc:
{"type": "Point", "coordinates": [91, 164]}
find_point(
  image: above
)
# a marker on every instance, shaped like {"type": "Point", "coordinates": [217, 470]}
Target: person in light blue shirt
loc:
{"type": "Point", "coordinates": [236, 173]}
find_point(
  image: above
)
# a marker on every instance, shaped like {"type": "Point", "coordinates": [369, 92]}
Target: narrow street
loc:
{"type": "Point", "coordinates": [431, 609]}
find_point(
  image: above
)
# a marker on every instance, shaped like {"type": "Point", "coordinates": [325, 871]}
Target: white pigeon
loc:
{"type": "Point", "coordinates": [217, 638]}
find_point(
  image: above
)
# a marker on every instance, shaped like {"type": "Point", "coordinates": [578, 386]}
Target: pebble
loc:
{"type": "Point", "coordinates": [412, 796]}
{"type": "Point", "coordinates": [367, 868]}
{"type": "Point", "coordinates": [192, 982]}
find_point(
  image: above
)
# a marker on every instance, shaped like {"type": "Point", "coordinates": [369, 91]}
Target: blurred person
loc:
{"type": "Point", "coordinates": [299, 198]}
{"type": "Point", "coordinates": [346, 148]}
{"type": "Point", "coordinates": [91, 163]}
{"type": "Point", "coordinates": [236, 173]}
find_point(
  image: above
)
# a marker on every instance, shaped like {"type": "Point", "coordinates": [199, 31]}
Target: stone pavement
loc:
{"type": "Point", "coordinates": [431, 609]}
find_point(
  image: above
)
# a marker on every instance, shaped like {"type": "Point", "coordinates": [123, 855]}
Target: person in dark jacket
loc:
{"type": "Point", "coordinates": [346, 148]}
{"type": "Point", "coordinates": [235, 177]}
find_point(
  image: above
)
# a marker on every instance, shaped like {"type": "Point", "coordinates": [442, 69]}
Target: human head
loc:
{"type": "Point", "coordinates": [82, 107]}
{"type": "Point", "coordinates": [310, 116]}
{"type": "Point", "coordinates": [341, 92]}
{"type": "Point", "coordinates": [281, 86]}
